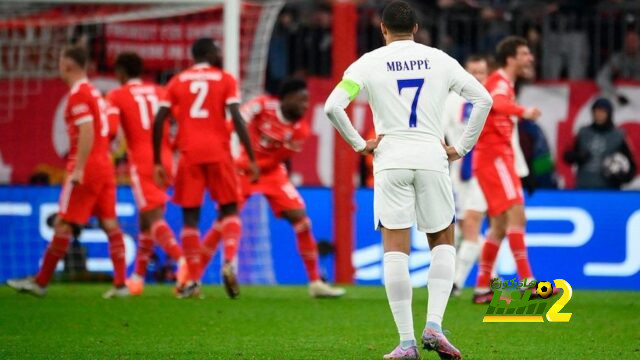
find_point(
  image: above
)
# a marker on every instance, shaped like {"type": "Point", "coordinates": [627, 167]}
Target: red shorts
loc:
{"type": "Point", "coordinates": [276, 187]}
{"type": "Point", "coordinates": [147, 194]}
{"type": "Point", "coordinates": [219, 178]}
{"type": "Point", "coordinates": [499, 182]}
{"type": "Point", "coordinates": [95, 196]}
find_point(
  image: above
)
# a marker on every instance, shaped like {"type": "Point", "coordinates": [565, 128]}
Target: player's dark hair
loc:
{"type": "Point", "coordinates": [130, 63]}
{"type": "Point", "coordinates": [399, 17]}
{"type": "Point", "coordinates": [291, 85]}
{"type": "Point", "coordinates": [76, 53]}
{"type": "Point", "coordinates": [508, 47]}
{"type": "Point", "coordinates": [202, 47]}
{"type": "Point", "coordinates": [475, 58]}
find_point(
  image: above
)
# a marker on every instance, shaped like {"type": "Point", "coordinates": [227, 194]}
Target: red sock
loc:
{"type": "Point", "coordinates": [191, 245]}
{"type": "Point", "coordinates": [519, 250]}
{"type": "Point", "coordinates": [487, 259]}
{"type": "Point", "coordinates": [55, 251]}
{"type": "Point", "coordinates": [307, 248]}
{"type": "Point", "coordinates": [210, 243]}
{"type": "Point", "coordinates": [116, 251]}
{"type": "Point", "coordinates": [145, 249]}
{"type": "Point", "coordinates": [230, 230]}
{"type": "Point", "coordinates": [163, 236]}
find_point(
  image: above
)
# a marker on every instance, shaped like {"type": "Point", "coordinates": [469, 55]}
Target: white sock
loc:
{"type": "Point", "coordinates": [399, 292]}
{"type": "Point", "coordinates": [440, 281]}
{"type": "Point", "coordinates": [467, 256]}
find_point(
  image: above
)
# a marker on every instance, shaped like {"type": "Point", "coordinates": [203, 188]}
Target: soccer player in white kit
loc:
{"type": "Point", "coordinates": [471, 205]}
{"type": "Point", "coordinates": [470, 202]}
{"type": "Point", "coordinates": [407, 84]}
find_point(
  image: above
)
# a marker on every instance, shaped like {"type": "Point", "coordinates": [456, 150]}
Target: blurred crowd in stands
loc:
{"type": "Point", "coordinates": [573, 39]}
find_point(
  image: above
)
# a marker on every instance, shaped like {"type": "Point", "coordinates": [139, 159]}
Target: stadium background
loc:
{"type": "Point", "coordinates": [571, 234]}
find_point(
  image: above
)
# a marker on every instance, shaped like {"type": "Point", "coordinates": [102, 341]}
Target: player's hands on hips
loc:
{"type": "Point", "coordinates": [531, 113]}
{"type": "Point", "coordinates": [160, 175]}
{"type": "Point", "coordinates": [254, 171]}
{"type": "Point", "coordinates": [76, 176]}
{"type": "Point", "coordinates": [372, 144]}
{"type": "Point", "coordinates": [452, 154]}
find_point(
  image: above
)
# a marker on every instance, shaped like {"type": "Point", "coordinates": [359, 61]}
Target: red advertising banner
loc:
{"type": "Point", "coordinates": [162, 44]}
{"type": "Point", "coordinates": [165, 43]}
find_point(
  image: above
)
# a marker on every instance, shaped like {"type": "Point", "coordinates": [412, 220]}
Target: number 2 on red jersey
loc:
{"type": "Point", "coordinates": [200, 89]}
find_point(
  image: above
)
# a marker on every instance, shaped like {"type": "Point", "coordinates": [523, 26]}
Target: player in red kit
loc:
{"type": "Point", "coordinates": [198, 98]}
{"type": "Point", "coordinates": [494, 164]}
{"type": "Point", "coordinates": [135, 103]}
{"type": "Point", "coordinates": [89, 188]}
{"type": "Point", "coordinates": [278, 130]}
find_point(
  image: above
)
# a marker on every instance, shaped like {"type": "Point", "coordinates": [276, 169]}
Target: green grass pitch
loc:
{"type": "Point", "coordinates": [74, 322]}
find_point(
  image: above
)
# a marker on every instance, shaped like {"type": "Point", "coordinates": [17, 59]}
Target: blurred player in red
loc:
{"type": "Point", "coordinates": [494, 165]}
{"type": "Point", "coordinates": [278, 130]}
{"type": "Point", "coordinates": [89, 188]}
{"type": "Point", "coordinates": [135, 103]}
{"type": "Point", "coordinates": [198, 98]}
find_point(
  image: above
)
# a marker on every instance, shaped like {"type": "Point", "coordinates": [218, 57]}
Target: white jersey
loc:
{"type": "Point", "coordinates": [522, 169]}
{"type": "Point", "coordinates": [407, 84]}
{"type": "Point", "coordinates": [455, 116]}
{"type": "Point", "coordinates": [454, 120]}
{"type": "Point", "coordinates": [468, 195]}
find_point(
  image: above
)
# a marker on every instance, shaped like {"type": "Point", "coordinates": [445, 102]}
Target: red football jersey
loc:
{"type": "Point", "coordinates": [496, 135]}
{"type": "Point", "coordinates": [86, 104]}
{"type": "Point", "coordinates": [274, 139]}
{"type": "Point", "coordinates": [136, 104]}
{"type": "Point", "coordinates": [198, 97]}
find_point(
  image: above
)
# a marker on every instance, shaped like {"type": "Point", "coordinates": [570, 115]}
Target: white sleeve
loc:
{"type": "Point", "coordinates": [448, 117]}
{"type": "Point", "coordinates": [334, 108]}
{"type": "Point", "coordinates": [356, 72]}
{"type": "Point", "coordinates": [522, 169]}
{"type": "Point", "coordinates": [469, 88]}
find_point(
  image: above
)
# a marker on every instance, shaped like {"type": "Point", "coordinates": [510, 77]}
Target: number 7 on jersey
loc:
{"type": "Point", "coordinates": [412, 83]}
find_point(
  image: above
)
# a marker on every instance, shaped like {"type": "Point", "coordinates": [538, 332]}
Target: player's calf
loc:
{"type": "Point", "coordinates": [307, 248]}
{"type": "Point", "coordinates": [210, 243]}
{"type": "Point", "coordinates": [135, 282]}
{"type": "Point", "coordinates": [117, 254]}
{"type": "Point", "coordinates": [191, 244]}
{"type": "Point", "coordinates": [166, 239]}
{"type": "Point", "coordinates": [230, 233]}
{"type": "Point", "coordinates": [55, 251]}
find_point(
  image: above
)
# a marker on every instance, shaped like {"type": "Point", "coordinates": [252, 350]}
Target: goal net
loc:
{"type": "Point", "coordinates": [32, 34]}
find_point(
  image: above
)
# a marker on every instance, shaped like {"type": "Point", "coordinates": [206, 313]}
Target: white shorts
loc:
{"type": "Point", "coordinates": [469, 196]}
{"type": "Point", "coordinates": [402, 197]}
